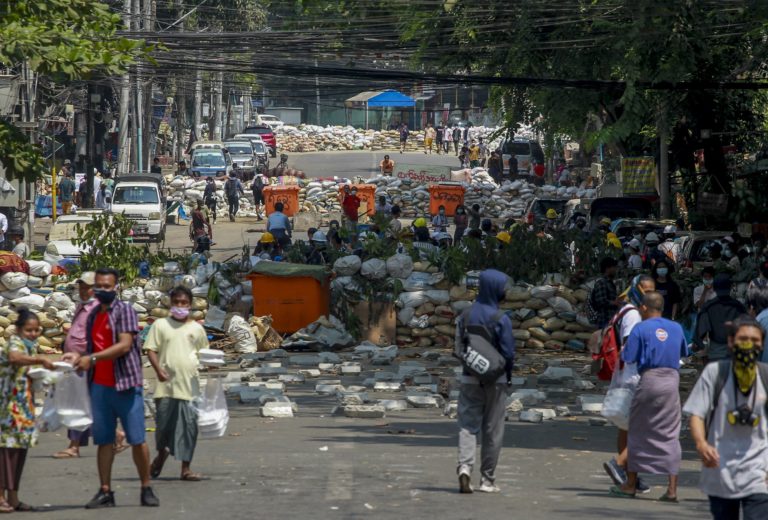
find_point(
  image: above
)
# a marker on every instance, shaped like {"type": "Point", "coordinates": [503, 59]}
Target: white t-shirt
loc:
{"type": "Point", "coordinates": [629, 320]}
{"type": "Point", "coordinates": [635, 262]}
{"type": "Point", "coordinates": [698, 291]}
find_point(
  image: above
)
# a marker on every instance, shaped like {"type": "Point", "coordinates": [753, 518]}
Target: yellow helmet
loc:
{"type": "Point", "coordinates": [267, 238]}
{"type": "Point", "coordinates": [420, 222]}
{"type": "Point", "coordinates": [551, 213]}
{"type": "Point", "coordinates": [614, 242]}
{"type": "Point", "coordinates": [504, 237]}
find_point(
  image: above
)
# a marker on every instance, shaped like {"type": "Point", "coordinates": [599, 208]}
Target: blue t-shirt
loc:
{"type": "Point", "coordinates": [655, 343]}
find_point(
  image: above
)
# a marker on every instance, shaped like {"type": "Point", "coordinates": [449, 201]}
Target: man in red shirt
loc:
{"type": "Point", "coordinates": [538, 171]}
{"type": "Point", "coordinates": [113, 361]}
{"type": "Point", "coordinates": [351, 205]}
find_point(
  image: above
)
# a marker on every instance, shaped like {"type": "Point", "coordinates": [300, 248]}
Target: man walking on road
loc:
{"type": "Point", "coordinates": [113, 361]}
{"type": "Point", "coordinates": [67, 194]}
{"type": "Point", "coordinates": [233, 188]}
{"type": "Point", "coordinates": [482, 408]}
{"type": "Point", "coordinates": [727, 410]}
{"type": "Point", "coordinates": [447, 139]}
{"type": "Point", "coordinates": [429, 138]}
{"type": "Point", "coordinates": [404, 133]}
{"type": "Point", "coordinates": [209, 197]}
{"type": "Point", "coordinates": [711, 331]}
{"type": "Point", "coordinates": [258, 194]}
{"type": "Point", "coordinates": [173, 345]}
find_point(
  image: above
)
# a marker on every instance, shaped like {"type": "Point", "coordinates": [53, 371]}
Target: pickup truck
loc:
{"type": "Point", "coordinates": [141, 198]}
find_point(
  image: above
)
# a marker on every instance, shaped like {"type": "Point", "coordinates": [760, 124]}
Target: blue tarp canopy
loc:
{"type": "Point", "coordinates": [386, 98]}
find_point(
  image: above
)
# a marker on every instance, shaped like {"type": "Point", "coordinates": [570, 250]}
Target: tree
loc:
{"type": "Point", "coordinates": [65, 39]}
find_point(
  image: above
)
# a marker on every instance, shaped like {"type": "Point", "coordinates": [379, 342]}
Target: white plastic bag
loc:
{"type": "Point", "coordinates": [347, 265]}
{"type": "Point", "coordinates": [618, 399]}
{"type": "Point", "coordinates": [13, 281]}
{"type": "Point", "coordinates": [48, 420]}
{"type": "Point", "coordinates": [212, 411]}
{"type": "Point", "coordinates": [399, 266]}
{"type": "Point", "coordinates": [375, 268]}
{"type": "Point", "coordinates": [73, 401]}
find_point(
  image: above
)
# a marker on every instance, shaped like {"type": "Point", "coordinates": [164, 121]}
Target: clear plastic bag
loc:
{"type": "Point", "coordinates": [73, 401]}
{"type": "Point", "coordinates": [212, 411]}
{"type": "Point", "coordinates": [618, 399]}
{"type": "Point", "coordinates": [48, 420]}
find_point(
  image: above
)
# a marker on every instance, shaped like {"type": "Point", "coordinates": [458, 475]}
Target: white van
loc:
{"type": "Point", "coordinates": [141, 199]}
{"type": "Point", "coordinates": [526, 151]}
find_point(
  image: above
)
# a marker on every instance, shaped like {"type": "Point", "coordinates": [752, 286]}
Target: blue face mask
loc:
{"type": "Point", "coordinates": [29, 343]}
{"type": "Point", "coordinates": [662, 271]}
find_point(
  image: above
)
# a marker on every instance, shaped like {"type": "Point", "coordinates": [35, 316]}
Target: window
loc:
{"type": "Point", "coordinates": [517, 148]}
{"type": "Point", "coordinates": [259, 148]}
{"type": "Point", "coordinates": [239, 149]}
{"type": "Point", "coordinates": [135, 195]}
{"type": "Point", "coordinates": [208, 159]}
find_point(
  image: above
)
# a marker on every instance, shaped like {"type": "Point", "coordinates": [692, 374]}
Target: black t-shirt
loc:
{"type": "Point", "coordinates": [155, 169]}
{"type": "Point", "coordinates": [671, 293]}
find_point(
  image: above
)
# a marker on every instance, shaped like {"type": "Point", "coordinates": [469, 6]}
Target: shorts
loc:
{"type": "Point", "coordinates": [258, 197]}
{"type": "Point", "coordinates": [428, 143]}
{"type": "Point", "coordinates": [107, 405]}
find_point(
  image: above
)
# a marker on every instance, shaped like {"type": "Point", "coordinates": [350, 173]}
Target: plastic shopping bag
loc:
{"type": "Point", "coordinates": [618, 399]}
{"type": "Point", "coordinates": [212, 411]}
{"type": "Point", "coordinates": [48, 420]}
{"type": "Point", "coordinates": [73, 401]}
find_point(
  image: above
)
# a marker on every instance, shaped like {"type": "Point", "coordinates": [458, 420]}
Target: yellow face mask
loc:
{"type": "Point", "coordinates": [745, 365]}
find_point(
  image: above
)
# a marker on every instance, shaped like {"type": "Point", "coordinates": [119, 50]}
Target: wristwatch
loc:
{"type": "Point", "coordinates": [93, 360]}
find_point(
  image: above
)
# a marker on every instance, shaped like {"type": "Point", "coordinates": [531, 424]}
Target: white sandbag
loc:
{"type": "Point", "coordinates": [34, 281]}
{"type": "Point", "coordinates": [421, 281]}
{"type": "Point", "coordinates": [13, 281]}
{"type": "Point", "coordinates": [412, 299]}
{"type": "Point", "coordinates": [347, 265]}
{"type": "Point", "coordinates": [59, 300]}
{"type": "Point", "coordinates": [399, 266]}
{"type": "Point", "coordinates": [543, 292]}
{"type": "Point", "coordinates": [33, 302]}
{"type": "Point", "coordinates": [241, 332]}
{"type": "Point", "coordinates": [39, 268]}
{"type": "Point", "coordinates": [438, 297]}
{"type": "Point", "coordinates": [132, 294]}
{"type": "Point", "coordinates": [375, 269]}
{"type": "Point", "coordinates": [17, 293]}
{"type": "Point", "coordinates": [187, 281]}
{"type": "Point", "coordinates": [560, 304]}
{"type": "Point", "coordinates": [460, 306]}
{"type": "Point", "coordinates": [405, 314]}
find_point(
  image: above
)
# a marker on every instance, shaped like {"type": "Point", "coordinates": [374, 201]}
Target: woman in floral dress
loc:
{"type": "Point", "coordinates": [17, 409]}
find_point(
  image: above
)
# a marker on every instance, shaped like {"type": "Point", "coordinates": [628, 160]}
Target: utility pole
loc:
{"type": "Point", "coordinates": [317, 95]}
{"type": "Point", "coordinates": [139, 104]}
{"type": "Point", "coordinates": [219, 105]}
{"type": "Point", "coordinates": [123, 152]}
{"type": "Point", "coordinates": [666, 203]}
{"type": "Point", "coordinates": [149, 141]}
{"type": "Point", "coordinates": [198, 102]}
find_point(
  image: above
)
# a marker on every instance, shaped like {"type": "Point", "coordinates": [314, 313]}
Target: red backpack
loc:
{"type": "Point", "coordinates": [605, 345]}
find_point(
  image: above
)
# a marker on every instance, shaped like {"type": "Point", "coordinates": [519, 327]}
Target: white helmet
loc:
{"type": "Point", "coordinates": [651, 237]}
{"type": "Point", "coordinates": [319, 236]}
{"type": "Point", "coordinates": [670, 230]}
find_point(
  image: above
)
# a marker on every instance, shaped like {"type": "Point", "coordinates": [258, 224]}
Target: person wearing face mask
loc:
{"type": "Point", "coordinates": [657, 345]}
{"type": "Point", "coordinates": [113, 363]}
{"type": "Point", "coordinates": [351, 205]}
{"type": "Point", "coordinates": [668, 288]}
{"type": "Point", "coordinates": [173, 347]}
{"type": "Point", "coordinates": [460, 220]}
{"type": "Point", "coordinates": [728, 422]}
{"type": "Point", "coordinates": [634, 261]}
{"type": "Point", "coordinates": [704, 292]}
{"type": "Point", "coordinates": [440, 221]}
{"type": "Point", "coordinates": [711, 331]}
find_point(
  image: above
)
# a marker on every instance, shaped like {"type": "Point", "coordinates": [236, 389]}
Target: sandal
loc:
{"type": "Point", "coordinates": [617, 492]}
{"type": "Point", "coordinates": [66, 454]}
{"type": "Point", "coordinates": [192, 477]}
{"type": "Point", "coordinates": [155, 469]}
{"type": "Point", "coordinates": [5, 507]}
{"type": "Point", "coordinates": [24, 508]}
{"type": "Point", "coordinates": [666, 498]}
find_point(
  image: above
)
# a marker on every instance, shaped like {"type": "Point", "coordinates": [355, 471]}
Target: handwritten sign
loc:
{"type": "Point", "coordinates": [422, 173]}
{"type": "Point", "coordinates": [638, 176]}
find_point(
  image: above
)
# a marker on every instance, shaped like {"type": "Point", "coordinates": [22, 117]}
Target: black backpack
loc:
{"type": "Point", "coordinates": [230, 188]}
{"type": "Point", "coordinates": [478, 349]}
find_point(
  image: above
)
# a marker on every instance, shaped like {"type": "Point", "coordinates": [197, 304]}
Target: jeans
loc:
{"type": "Point", "coordinates": [754, 507]}
{"type": "Point", "coordinates": [211, 203]}
{"type": "Point", "coordinates": [234, 205]}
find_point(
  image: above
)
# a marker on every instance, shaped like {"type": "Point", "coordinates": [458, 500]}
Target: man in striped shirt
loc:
{"type": "Point", "coordinates": [113, 363]}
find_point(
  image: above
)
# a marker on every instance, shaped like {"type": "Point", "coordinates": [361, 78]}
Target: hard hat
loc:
{"type": "Point", "coordinates": [651, 237]}
{"type": "Point", "coordinates": [634, 243]}
{"type": "Point", "coordinates": [614, 242]}
{"type": "Point", "coordinates": [611, 236]}
{"type": "Point", "coordinates": [319, 236]}
{"type": "Point", "coordinates": [551, 213]}
{"type": "Point", "coordinates": [505, 237]}
{"type": "Point", "coordinates": [669, 230]}
{"type": "Point", "coordinates": [605, 220]}
{"type": "Point", "coordinates": [420, 222]}
{"type": "Point", "coordinates": [267, 238]}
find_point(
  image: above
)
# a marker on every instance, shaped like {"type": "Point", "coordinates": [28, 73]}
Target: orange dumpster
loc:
{"type": "Point", "coordinates": [366, 193]}
{"type": "Point", "coordinates": [294, 295]}
{"type": "Point", "coordinates": [448, 195]}
{"type": "Point", "coordinates": [288, 195]}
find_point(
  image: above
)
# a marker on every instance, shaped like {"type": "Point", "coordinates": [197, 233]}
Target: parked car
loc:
{"type": "Point", "coordinates": [619, 207]}
{"type": "Point", "coordinates": [624, 227]}
{"type": "Point", "coordinates": [266, 133]}
{"type": "Point", "coordinates": [242, 154]}
{"type": "Point", "coordinates": [525, 151]}
{"type": "Point", "coordinates": [141, 199]}
{"type": "Point", "coordinates": [272, 121]}
{"type": "Point", "coordinates": [696, 248]}
{"type": "Point", "coordinates": [537, 210]}
{"type": "Point", "coordinates": [207, 162]}
{"type": "Point", "coordinates": [61, 249]}
{"type": "Point", "coordinates": [575, 208]}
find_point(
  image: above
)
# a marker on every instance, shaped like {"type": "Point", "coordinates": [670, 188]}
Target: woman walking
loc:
{"type": "Point", "coordinates": [17, 407]}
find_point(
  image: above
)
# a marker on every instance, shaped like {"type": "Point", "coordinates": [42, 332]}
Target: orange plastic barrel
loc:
{"type": "Point", "coordinates": [366, 193]}
{"type": "Point", "coordinates": [449, 195]}
{"type": "Point", "coordinates": [293, 301]}
{"type": "Point", "coordinates": [288, 195]}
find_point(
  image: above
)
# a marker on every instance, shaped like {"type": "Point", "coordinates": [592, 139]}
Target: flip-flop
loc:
{"type": "Point", "coordinates": [64, 454]}
{"type": "Point", "coordinates": [616, 491]}
{"type": "Point", "coordinates": [24, 508]}
{"type": "Point", "coordinates": [666, 498]}
{"type": "Point", "coordinates": [192, 477]}
{"type": "Point", "coordinates": [5, 507]}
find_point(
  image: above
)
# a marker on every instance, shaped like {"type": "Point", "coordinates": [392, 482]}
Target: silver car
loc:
{"type": "Point", "coordinates": [242, 154]}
